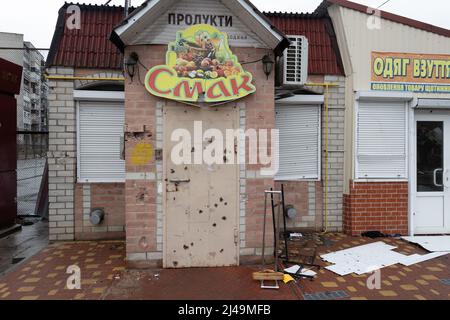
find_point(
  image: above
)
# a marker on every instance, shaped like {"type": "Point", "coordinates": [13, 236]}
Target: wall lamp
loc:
{"type": "Point", "coordinates": [131, 63]}
{"type": "Point", "coordinates": [267, 65]}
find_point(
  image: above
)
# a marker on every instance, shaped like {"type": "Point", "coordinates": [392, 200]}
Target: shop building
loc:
{"type": "Point", "coordinates": [360, 108]}
{"type": "Point", "coordinates": [112, 121]}
{"type": "Point", "coordinates": [396, 121]}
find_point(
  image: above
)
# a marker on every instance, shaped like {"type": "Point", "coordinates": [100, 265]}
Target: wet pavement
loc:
{"type": "Point", "coordinates": [45, 276]}
{"type": "Point", "coordinates": [18, 247]}
{"type": "Point", "coordinates": [104, 276]}
{"type": "Point", "coordinates": [233, 283]}
{"type": "Point", "coordinates": [29, 178]}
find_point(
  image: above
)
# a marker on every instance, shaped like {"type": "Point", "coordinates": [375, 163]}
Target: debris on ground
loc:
{"type": "Point", "coordinates": [297, 270]}
{"type": "Point", "coordinates": [300, 250]}
{"type": "Point", "coordinates": [287, 278]}
{"type": "Point", "coordinates": [431, 243]}
{"type": "Point", "coordinates": [371, 257]}
{"type": "Point", "coordinates": [373, 234]}
{"type": "Point", "coordinates": [268, 275]}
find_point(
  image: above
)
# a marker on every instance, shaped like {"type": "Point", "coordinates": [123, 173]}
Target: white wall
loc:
{"type": "Point", "coordinates": [356, 43]}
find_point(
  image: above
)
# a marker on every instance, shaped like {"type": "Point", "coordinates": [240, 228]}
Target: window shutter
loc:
{"type": "Point", "coordinates": [299, 128]}
{"type": "Point", "coordinates": [100, 132]}
{"type": "Point", "coordinates": [296, 61]}
{"type": "Point", "coordinates": [382, 140]}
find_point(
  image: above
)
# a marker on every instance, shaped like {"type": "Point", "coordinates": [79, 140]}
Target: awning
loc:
{"type": "Point", "coordinates": [433, 104]}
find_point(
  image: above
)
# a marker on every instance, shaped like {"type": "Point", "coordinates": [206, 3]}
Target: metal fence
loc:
{"type": "Point", "coordinates": [31, 173]}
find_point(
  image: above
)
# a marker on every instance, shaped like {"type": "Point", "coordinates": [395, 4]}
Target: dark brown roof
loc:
{"type": "Point", "coordinates": [385, 15]}
{"type": "Point", "coordinates": [88, 47]}
{"type": "Point", "coordinates": [324, 56]}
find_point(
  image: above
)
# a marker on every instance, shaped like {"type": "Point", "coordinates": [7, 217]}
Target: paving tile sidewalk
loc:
{"type": "Point", "coordinates": [44, 277]}
{"type": "Point", "coordinates": [104, 276]}
{"type": "Point", "coordinates": [422, 281]}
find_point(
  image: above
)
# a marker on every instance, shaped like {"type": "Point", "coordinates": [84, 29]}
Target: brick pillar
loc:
{"type": "Point", "coordinates": [61, 155]}
{"type": "Point", "coordinates": [257, 112]}
{"type": "Point", "coordinates": [142, 213]}
{"type": "Point", "coordinates": [336, 116]}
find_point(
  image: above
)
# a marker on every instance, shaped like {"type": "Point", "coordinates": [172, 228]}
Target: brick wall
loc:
{"type": "Point", "coordinates": [141, 214]}
{"type": "Point", "coordinates": [107, 196]}
{"type": "Point", "coordinates": [257, 112]}
{"type": "Point", "coordinates": [70, 203]}
{"type": "Point", "coordinates": [139, 197]}
{"type": "Point", "coordinates": [376, 206]}
{"type": "Point", "coordinates": [309, 196]}
{"type": "Point", "coordinates": [144, 218]}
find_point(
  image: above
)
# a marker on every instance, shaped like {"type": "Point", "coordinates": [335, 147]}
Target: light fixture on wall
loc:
{"type": "Point", "coordinates": [267, 65]}
{"type": "Point", "coordinates": [131, 63]}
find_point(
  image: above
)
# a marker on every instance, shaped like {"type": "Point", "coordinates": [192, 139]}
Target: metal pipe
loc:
{"type": "Point", "coordinates": [62, 78]}
{"type": "Point", "coordinates": [274, 223]}
{"type": "Point", "coordinates": [327, 140]}
{"type": "Point", "coordinates": [25, 49]}
{"type": "Point", "coordinates": [264, 231]}
{"type": "Point", "coordinates": [326, 84]}
{"type": "Point", "coordinates": [284, 224]}
{"type": "Point", "coordinates": [277, 236]}
{"type": "Point", "coordinates": [127, 7]}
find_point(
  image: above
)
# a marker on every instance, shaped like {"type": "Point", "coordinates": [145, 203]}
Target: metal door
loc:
{"type": "Point", "coordinates": [8, 142]}
{"type": "Point", "coordinates": [432, 201]}
{"type": "Point", "coordinates": [8, 161]}
{"type": "Point", "coordinates": [201, 200]}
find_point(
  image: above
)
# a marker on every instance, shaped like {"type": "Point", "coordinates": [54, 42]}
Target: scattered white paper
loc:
{"type": "Point", "coordinates": [296, 235]}
{"type": "Point", "coordinates": [371, 257]}
{"type": "Point", "coordinates": [431, 243]}
{"type": "Point", "coordinates": [417, 258]}
{"type": "Point", "coordinates": [292, 270]}
{"type": "Point", "coordinates": [304, 272]}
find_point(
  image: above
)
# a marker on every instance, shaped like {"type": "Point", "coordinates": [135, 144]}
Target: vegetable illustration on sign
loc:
{"type": "Point", "coordinates": [200, 67]}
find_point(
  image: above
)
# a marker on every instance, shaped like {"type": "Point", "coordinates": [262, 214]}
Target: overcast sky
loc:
{"type": "Point", "coordinates": [36, 19]}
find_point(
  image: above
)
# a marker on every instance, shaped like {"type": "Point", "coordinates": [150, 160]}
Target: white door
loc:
{"type": "Point", "coordinates": [201, 200]}
{"type": "Point", "coordinates": [432, 201]}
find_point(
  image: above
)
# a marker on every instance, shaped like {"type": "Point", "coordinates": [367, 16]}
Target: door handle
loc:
{"type": "Point", "coordinates": [180, 180]}
{"type": "Point", "coordinates": [435, 177]}
{"type": "Point", "coordinates": [445, 179]}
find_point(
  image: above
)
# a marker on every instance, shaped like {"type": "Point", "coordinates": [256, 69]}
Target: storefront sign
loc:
{"type": "Point", "coordinates": [193, 19]}
{"type": "Point", "coordinates": [200, 67]}
{"type": "Point", "coordinates": [423, 73]}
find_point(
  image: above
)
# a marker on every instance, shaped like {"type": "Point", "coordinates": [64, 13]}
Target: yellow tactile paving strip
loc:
{"type": "Point", "coordinates": [44, 277]}
{"type": "Point", "coordinates": [417, 282]}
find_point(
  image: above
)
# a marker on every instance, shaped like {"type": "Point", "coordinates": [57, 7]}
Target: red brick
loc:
{"type": "Point", "coordinates": [376, 206]}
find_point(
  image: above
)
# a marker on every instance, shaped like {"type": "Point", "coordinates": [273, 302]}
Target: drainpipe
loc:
{"type": "Point", "coordinates": [327, 145]}
{"type": "Point", "coordinates": [127, 7]}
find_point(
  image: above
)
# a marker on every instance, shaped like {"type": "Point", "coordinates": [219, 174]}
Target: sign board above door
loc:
{"type": "Point", "coordinates": [424, 73]}
{"type": "Point", "coordinates": [185, 13]}
{"type": "Point", "coordinates": [200, 67]}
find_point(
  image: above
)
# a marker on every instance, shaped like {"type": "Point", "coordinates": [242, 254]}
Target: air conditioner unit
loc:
{"type": "Point", "coordinates": [295, 61]}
